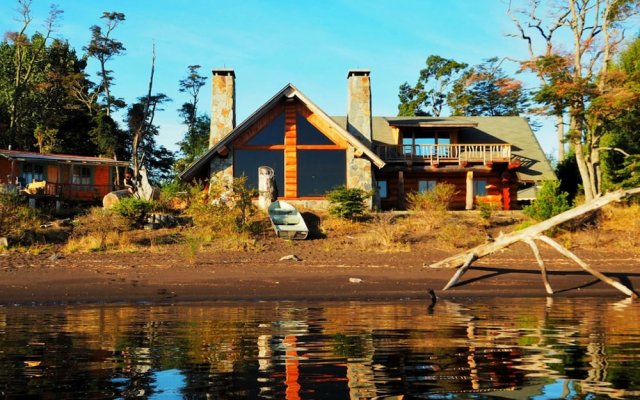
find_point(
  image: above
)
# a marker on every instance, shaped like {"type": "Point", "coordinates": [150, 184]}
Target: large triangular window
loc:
{"type": "Point", "coordinates": [309, 134]}
{"type": "Point", "coordinates": [272, 134]}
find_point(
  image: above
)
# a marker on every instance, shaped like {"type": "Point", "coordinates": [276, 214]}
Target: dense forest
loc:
{"type": "Point", "coordinates": [588, 75]}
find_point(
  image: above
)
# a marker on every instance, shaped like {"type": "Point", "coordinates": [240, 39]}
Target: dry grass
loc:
{"type": "Point", "coordinates": [615, 227]}
{"type": "Point", "coordinates": [98, 230]}
{"type": "Point", "coordinates": [624, 222]}
{"type": "Point", "coordinates": [385, 233]}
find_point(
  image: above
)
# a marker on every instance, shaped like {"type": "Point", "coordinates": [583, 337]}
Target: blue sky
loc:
{"type": "Point", "coordinates": [309, 43]}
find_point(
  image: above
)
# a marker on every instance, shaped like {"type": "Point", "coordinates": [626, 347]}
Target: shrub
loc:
{"type": "Point", "coordinates": [549, 201]}
{"type": "Point", "coordinates": [435, 199]}
{"type": "Point", "coordinates": [384, 234]}
{"type": "Point", "coordinates": [486, 211]}
{"type": "Point", "coordinates": [15, 216]}
{"type": "Point", "coordinates": [92, 230]}
{"type": "Point", "coordinates": [135, 210]}
{"type": "Point", "coordinates": [347, 203]}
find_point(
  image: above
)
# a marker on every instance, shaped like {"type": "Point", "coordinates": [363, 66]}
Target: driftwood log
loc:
{"type": "Point", "coordinates": [111, 198]}
{"type": "Point", "coordinates": [463, 260]}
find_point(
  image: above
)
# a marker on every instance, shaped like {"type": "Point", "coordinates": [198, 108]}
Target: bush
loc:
{"type": "Point", "coordinates": [549, 201]}
{"type": "Point", "coordinates": [135, 210]}
{"type": "Point", "coordinates": [15, 216]}
{"type": "Point", "coordinates": [435, 199]}
{"type": "Point", "coordinates": [347, 203]}
{"type": "Point", "coordinates": [92, 230]}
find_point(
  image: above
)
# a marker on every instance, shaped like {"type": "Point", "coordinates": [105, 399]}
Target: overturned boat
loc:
{"type": "Point", "coordinates": [287, 221]}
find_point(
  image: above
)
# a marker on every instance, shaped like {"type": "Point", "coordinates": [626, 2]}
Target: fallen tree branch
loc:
{"type": "Point", "coordinates": [565, 252]}
{"type": "Point", "coordinates": [465, 259]}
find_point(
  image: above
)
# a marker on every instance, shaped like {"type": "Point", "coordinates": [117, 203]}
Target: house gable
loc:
{"type": "Point", "coordinates": [243, 133]}
{"type": "Point", "coordinates": [308, 157]}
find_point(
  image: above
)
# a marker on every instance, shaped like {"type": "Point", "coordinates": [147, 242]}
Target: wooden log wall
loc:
{"type": "Point", "coordinates": [411, 184]}
{"type": "Point", "coordinates": [290, 155]}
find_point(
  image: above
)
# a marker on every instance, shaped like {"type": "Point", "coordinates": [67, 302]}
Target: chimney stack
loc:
{"type": "Point", "coordinates": [223, 104]}
{"type": "Point", "coordinates": [359, 105]}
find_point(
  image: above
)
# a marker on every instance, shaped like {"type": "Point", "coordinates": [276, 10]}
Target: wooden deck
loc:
{"type": "Point", "coordinates": [435, 154]}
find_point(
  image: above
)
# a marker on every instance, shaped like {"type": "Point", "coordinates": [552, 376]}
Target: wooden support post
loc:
{"type": "Point", "coordinates": [400, 198]}
{"type": "Point", "coordinates": [459, 272]}
{"type": "Point", "coordinates": [543, 269]}
{"type": "Point", "coordinates": [469, 203]}
{"type": "Point", "coordinates": [565, 252]}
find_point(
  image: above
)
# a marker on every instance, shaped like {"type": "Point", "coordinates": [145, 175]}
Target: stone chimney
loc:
{"type": "Point", "coordinates": [359, 105]}
{"type": "Point", "coordinates": [223, 104]}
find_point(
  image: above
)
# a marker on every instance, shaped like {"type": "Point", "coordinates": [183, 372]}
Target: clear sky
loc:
{"type": "Point", "coordinates": [309, 43]}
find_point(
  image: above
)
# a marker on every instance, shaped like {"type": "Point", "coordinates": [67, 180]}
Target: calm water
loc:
{"type": "Point", "coordinates": [529, 348]}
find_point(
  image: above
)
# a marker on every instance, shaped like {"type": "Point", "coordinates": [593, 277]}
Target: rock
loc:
{"type": "Point", "coordinates": [355, 280]}
{"type": "Point", "coordinates": [54, 257]}
{"type": "Point", "coordinates": [291, 257]}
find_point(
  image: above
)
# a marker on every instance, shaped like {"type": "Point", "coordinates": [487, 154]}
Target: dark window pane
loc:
{"type": "Point", "coordinates": [246, 163]}
{"type": "Point", "coordinates": [480, 187]}
{"type": "Point", "coordinates": [308, 134]}
{"type": "Point", "coordinates": [271, 134]}
{"type": "Point", "coordinates": [320, 171]}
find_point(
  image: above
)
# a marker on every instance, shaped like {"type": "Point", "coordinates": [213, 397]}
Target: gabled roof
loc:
{"type": "Point", "coordinates": [59, 158]}
{"type": "Point", "coordinates": [288, 92]}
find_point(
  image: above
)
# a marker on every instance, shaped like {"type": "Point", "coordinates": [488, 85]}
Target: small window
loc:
{"type": "Point", "coordinates": [383, 192]}
{"type": "Point", "coordinates": [32, 172]}
{"type": "Point", "coordinates": [480, 187]}
{"type": "Point", "coordinates": [81, 176]}
{"type": "Point", "coordinates": [423, 186]}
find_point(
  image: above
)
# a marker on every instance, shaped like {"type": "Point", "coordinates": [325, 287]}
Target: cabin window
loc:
{"type": "Point", "coordinates": [272, 134]}
{"type": "Point", "coordinates": [247, 162]}
{"type": "Point", "coordinates": [81, 177]}
{"type": "Point", "coordinates": [320, 171]}
{"type": "Point", "coordinates": [480, 187]}
{"type": "Point", "coordinates": [423, 186]}
{"type": "Point", "coordinates": [424, 144]}
{"type": "Point", "coordinates": [32, 172]}
{"type": "Point", "coordinates": [309, 134]}
{"type": "Point", "coordinates": [383, 190]}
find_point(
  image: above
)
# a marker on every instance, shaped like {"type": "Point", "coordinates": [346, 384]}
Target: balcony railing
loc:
{"type": "Point", "coordinates": [435, 154]}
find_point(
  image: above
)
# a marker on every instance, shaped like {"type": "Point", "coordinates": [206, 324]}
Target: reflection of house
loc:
{"type": "Point", "coordinates": [67, 177]}
{"type": "Point", "coordinates": [311, 153]}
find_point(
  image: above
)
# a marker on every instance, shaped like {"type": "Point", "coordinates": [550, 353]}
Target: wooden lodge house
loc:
{"type": "Point", "coordinates": [58, 176]}
{"type": "Point", "coordinates": [487, 158]}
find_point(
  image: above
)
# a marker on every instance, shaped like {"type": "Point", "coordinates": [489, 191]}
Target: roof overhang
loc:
{"type": "Point", "coordinates": [430, 123]}
{"type": "Point", "coordinates": [24, 156]}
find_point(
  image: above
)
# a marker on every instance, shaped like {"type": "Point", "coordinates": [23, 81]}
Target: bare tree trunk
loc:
{"type": "Point", "coordinates": [140, 130]}
{"type": "Point", "coordinates": [560, 136]}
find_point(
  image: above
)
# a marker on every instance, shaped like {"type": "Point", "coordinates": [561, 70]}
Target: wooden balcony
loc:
{"type": "Point", "coordinates": [436, 154]}
{"type": "Point", "coordinates": [64, 191]}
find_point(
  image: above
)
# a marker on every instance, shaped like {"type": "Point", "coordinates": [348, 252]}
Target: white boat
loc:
{"type": "Point", "coordinates": [287, 221]}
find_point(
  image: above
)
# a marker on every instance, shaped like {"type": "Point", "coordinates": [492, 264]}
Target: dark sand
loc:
{"type": "Point", "coordinates": [161, 277]}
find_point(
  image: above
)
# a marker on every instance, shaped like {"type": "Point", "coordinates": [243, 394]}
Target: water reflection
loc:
{"type": "Point", "coordinates": [520, 348]}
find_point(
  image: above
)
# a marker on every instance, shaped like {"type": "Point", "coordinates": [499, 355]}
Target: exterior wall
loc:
{"type": "Point", "coordinates": [359, 170]}
{"type": "Point", "coordinates": [359, 174]}
{"type": "Point", "coordinates": [458, 179]}
{"type": "Point", "coordinates": [5, 170]}
{"type": "Point", "coordinates": [359, 105]}
{"type": "Point", "coordinates": [221, 169]}
{"type": "Point", "coordinates": [223, 112]}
